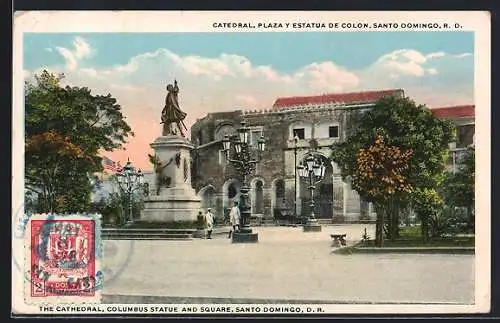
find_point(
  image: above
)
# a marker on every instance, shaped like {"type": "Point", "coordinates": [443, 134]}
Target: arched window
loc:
{"type": "Point", "coordinates": [223, 130]}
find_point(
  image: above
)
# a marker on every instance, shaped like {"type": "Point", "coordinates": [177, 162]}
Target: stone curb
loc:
{"type": "Point", "coordinates": [201, 234]}
{"type": "Point", "coordinates": [144, 299]}
{"type": "Point", "coordinates": [421, 250]}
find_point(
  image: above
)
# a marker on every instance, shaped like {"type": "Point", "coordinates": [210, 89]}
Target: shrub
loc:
{"type": "Point", "coordinates": [449, 221]}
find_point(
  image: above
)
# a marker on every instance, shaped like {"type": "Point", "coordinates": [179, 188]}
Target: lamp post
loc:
{"type": "Point", "coordinates": [129, 181]}
{"type": "Point", "coordinates": [238, 153]}
{"type": "Point", "coordinates": [313, 170]}
{"type": "Point", "coordinates": [295, 141]}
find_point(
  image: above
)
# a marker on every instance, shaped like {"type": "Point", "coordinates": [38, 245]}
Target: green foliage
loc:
{"type": "Point", "coordinates": [448, 221]}
{"type": "Point", "coordinates": [405, 125]}
{"type": "Point", "coordinates": [434, 242]}
{"type": "Point", "coordinates": [111, 209]}
{"type": "Point", "coordinates": [427, 203]}
{"type": "Point", "coordinates": [410, 231]}
{"type": "Point", "coordinates": [115, 208]}
{"type": "Point", "coordinates": [65, 129]}
{"type": "Point", "coordinates": [408, 127]}
{"type": "Point", "coordinates": [459, 188]}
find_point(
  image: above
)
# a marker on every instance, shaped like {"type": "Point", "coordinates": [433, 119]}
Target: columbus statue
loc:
{"type": "Point", "coordinates": [172, 117]}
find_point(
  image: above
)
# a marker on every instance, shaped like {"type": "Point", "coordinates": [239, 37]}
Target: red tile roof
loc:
{"type": "Point", "coordinates": [346, 98]}
{"type": "Point", "coordinates": [460, 111]}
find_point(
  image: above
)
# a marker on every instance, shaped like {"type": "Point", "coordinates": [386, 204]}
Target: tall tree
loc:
{"type": "Point", "coordinates": [407, 126]}
{"type": "Point", "coordinates": [459, 187]}
{"type": "Point", "coordinates": [382, 175]}
{"type": "Point", "coordinates": [65, 130]}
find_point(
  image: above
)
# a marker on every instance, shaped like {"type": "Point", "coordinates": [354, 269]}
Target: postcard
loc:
{"type": "Point", "coordinates": [248, 163]}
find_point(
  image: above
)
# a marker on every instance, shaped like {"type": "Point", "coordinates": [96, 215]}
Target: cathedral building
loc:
{"type": "Point", "coordinates": [289, 126]}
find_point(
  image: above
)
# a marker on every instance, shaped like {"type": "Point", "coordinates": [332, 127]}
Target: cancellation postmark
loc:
{"type": "Point", "coordinates": [63, 259]}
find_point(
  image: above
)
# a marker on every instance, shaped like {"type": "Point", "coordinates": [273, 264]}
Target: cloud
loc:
{"type": "Point", "coordinates": [435, 55]}
{"type": "Point", "coordinates": [409, 62]}
{"type": "Point", "coordinates": [327, 76]}
{"type": "Point", "coordinates": [229, 81]}
{"type": "Point", "coordinates": [80, 51]}
{"type": "Point", "coordinates": [406, 61]}
{"type": "Point", "coordinates": [432, 71]}
{"type": "Point", "coordinates": [463, 55]}
{"type": "Point", "coordinates": [82, 48]}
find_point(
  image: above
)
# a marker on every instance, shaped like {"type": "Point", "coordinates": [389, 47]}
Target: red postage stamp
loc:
{"type": "Point", "coordinates": [62, 259]}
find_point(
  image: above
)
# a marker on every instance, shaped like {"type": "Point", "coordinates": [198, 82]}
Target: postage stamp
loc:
{"type": "Point", "coordinates": [63, 256]}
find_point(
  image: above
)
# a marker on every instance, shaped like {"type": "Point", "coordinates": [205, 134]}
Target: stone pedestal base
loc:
{"type": "Point", "coordinates": [163, 209]}
{"type": "Point", "coordinates": [245, 237]}
{"type": "Point", "coordinates": [312, 226]}
{"type": "Point", "coordinates": [178, 202]}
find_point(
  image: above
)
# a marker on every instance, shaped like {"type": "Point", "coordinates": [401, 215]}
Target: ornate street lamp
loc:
{"type": "Point", "coordinates": [313, 169]}
{"type": "Point", "coordinates": [241, 157]}
{"type": "Point", "coordinates": [295, 142]}
{"type": "Point", "coordinates": [129, 181]}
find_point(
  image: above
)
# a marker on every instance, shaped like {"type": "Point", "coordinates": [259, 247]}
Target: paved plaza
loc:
{"type": "Point", "coordinates": [286, 264]}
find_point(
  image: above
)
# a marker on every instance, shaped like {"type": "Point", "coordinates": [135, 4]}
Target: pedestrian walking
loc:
{"type": "Point", "coordinates": [234, 219]}
{"type": "Point", "coordinates": [209, 219]}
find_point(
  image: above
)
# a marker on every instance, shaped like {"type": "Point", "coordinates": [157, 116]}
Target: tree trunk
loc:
{"type": "Point", "coordinates": [425, 228]}
{"type": "Point", "coordinates": [388, 218]}
{"type": "Point", "coordinates": [392, 208]}
{"type": "Point", "coordinates": [394, 219]}
{"type": "Point", "coordinates": [379, 228]}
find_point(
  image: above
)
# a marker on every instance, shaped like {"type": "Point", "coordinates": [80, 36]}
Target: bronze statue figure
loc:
{"type": "Point", "coordinates": [172, 113]}
{"type": "Point", "coordinates": [159, 166]}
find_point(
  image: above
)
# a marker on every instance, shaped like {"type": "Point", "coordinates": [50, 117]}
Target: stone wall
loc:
{"type": "Point", "coordinates": [278, 161]}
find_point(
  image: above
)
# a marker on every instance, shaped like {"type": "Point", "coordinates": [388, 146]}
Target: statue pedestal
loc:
{"type": "Point", "coordinates": [177, 200]}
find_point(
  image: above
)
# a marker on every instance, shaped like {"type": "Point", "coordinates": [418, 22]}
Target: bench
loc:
{"type": "Point", "coordinates": [338, 240]}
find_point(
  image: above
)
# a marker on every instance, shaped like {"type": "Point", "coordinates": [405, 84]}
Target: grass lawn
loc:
{"type": "Point", "coordinates": [417, 242]}
{"type": "Point", "coordinates": [410, 237]}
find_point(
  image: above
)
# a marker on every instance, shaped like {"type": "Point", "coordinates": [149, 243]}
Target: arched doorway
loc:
{"type": "Point", "coordinates": [257, 197]}
{"type": "Point", "coordinates": [231, 193]}
{"type": "Point", "coordinates": [278, 197]}
{"type": "Point", "coordinates": [207, 195]}
{"type": "Point", "coordinates": [323, 192]}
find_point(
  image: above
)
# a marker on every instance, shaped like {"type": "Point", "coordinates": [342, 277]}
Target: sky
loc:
{"type": "Point", "coordinates": [249, 71]}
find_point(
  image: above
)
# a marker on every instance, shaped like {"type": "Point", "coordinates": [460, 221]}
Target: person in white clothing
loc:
{"type": "Point", "coordinates": [234, 218]}
{"type": "Point", "coordinates": [209, 219]}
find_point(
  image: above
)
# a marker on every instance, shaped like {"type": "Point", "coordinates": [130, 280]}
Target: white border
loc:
{"type": "Point", "coordinates": [192, 21]}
